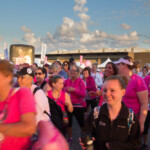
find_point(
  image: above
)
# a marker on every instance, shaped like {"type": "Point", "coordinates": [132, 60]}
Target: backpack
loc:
{"type": "Point", "coordinates": [42, 85]}
{"type": "Point", "coordinates": [129, 119]}
{"type": "Point", "coordinates": [55, 110]}
{"type": "Point", "coordinates": [56, 114]}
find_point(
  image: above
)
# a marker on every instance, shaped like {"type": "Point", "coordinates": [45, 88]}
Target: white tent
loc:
{"type": "Point", "coordinates": [104, 63]}
{"type": "Point", "coordinates": [80, 65]}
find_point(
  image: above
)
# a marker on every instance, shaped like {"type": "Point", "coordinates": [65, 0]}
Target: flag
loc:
{"type": "Point", "coordinates": [43, 51]}
{"type": "Point", "coordinates": [6, 54]}
{"type": "Point", "coordinates": [81, 59]}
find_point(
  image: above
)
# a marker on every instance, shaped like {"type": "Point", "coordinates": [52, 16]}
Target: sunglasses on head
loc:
{"type": "Point", "coordinates": [57, 76]}
{"type": "Point", "coordinates": [38, 73]}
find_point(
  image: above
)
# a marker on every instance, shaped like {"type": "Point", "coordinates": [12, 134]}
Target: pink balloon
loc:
{"type": "Point", "coordinates": [49, 138]}
{"type": "Point", "coordinates": [88, 63]}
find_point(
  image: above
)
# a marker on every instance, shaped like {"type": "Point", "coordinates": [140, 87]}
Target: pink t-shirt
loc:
{"type": "Point", "coordinates": [147, 81]}
{"type": "Point", "coordinates": [20, 103]}
{"type": "Point", "coordinates": [60, 101]}
{"type": "Point", "coordinates": [78, 96]}
{"type": "Point", "coordinates": [135, 84]}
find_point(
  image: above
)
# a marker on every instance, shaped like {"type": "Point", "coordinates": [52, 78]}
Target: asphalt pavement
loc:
{"type": "Point", "coordinates": [76, 134]}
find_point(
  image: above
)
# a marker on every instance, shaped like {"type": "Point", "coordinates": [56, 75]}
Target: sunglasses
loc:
{"type": "Point", "coordinates": [38, 73]}
{"type": "Point", "coordinates": [65, 64]}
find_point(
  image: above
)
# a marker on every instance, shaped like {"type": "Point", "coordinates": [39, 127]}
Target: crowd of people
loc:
{"type": "Point", "coordinates": [112, 106]}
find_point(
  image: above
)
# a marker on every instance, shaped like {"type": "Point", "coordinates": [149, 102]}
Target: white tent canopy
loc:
{"type": "Point", "coordinates": [104, 63]}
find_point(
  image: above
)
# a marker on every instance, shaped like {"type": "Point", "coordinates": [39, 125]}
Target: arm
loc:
{"type": "Point", "coordinates": [133, 142]}
{"type": "Point", "coordinates": [80, 90]}
{"type": "Point", "coordinates": [143, 99]}
{"type": "Point", "coordinates": [68, 103]}
{"type": "Point", "coordinates": [91, 86]}
{"type": "Point", "coordinates": [41, 106]}
{"type": "Point", "coordinates": [25, 127]}
{"type": "Point", "coordinates": [100, 81]}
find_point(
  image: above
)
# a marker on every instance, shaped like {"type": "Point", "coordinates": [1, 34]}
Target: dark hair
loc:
{"type": "Point", "coordinates": [87, 69]}
{"type": "Point", "coordinates": [54, 79]}
{"type": "Point", "coordinates": [67, 63]}
{"type": "Point", "coordinates": [35, 64]}
{"type": "Point", "coordinates": [71, 60]}
{"type": "Point", "coordinates": [95, 64]}
{"type": "Point", "coordinates": [56, 61]}
{"type": "Point", "coordinates": [6, 68]}
{"type": "Point", "coordinates": [118, 78]}
{"type": "Point", "coordinates": [115, 69]}
{"type": "Point", "coordinates": [145, 68]}
{"type": "Point", "coordinates": [46, 65]}
{"type": "Point", "coordinates": [44, 71]}
{"type": "Point", "coordinates": [130, 59]}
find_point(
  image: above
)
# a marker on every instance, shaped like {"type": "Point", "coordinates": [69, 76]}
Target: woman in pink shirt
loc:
{"type": "Point", "coordinates": [110, 69]}
{"type": "Point", "coordinates": [90, 86]}
{"type": "Point", "coordinates": [76, 88]}
{"type": "Point", "coordinates": [136, 96]}
{"type": "Point", "coordinates": [61, 97]}
{"type": "Point", "coordinates": [17, 112]}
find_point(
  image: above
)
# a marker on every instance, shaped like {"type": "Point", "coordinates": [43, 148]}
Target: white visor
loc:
{"type": "Point", "coordinates": [121, 60]}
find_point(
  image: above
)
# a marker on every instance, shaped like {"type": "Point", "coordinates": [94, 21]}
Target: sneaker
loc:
{"type": "Point", "coordinates": [70, 140]}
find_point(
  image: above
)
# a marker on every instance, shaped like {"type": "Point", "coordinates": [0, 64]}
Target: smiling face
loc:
{"type": "Point", "coordinates": [65, 66]}
{"type": "Point", "coordinates": [112, 92]}
{"type": "Point", "coordinates": [109, 70]}
{"type": "Point", "coordinates": [74, 72]}
{"type": "Point", "coordinates": [85, 74]}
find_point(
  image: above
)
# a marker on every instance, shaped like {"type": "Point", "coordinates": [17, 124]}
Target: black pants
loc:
{"type": "Point", "coordinates": [78, 112]}
{"type": "Point", "coordinates": [93, 103]}
{"type": "Point", "coordinates": [146, 125]}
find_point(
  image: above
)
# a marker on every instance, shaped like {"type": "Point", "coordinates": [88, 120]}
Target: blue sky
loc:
{"type": "Point", "coordinates": [75, 24]}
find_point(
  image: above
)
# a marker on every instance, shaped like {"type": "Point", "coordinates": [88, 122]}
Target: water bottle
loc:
{"type": "Point", "coordinates": [87, 141]}
{"type": "Point", "coordinates": [65, 119]}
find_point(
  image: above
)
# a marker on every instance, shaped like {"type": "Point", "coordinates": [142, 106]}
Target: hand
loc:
{"type": "Point", "coordinates": [92, 93]}
{"type": "Point", "coordinates": [107, 145]}
{"type": "Point", "coordinates": [70, 89]}
{"type": "Point", "coordinates": [82, 145]}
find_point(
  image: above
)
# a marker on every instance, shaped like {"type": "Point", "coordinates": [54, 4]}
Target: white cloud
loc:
{"type": "Point", "coordinates": [25, 29]}
{"type": "Point", "coordinates": [72, 35]}
{"type": "Point", "coordinates": [84, 16]}
{"type": "Point", "coordinates": [125, 26]}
